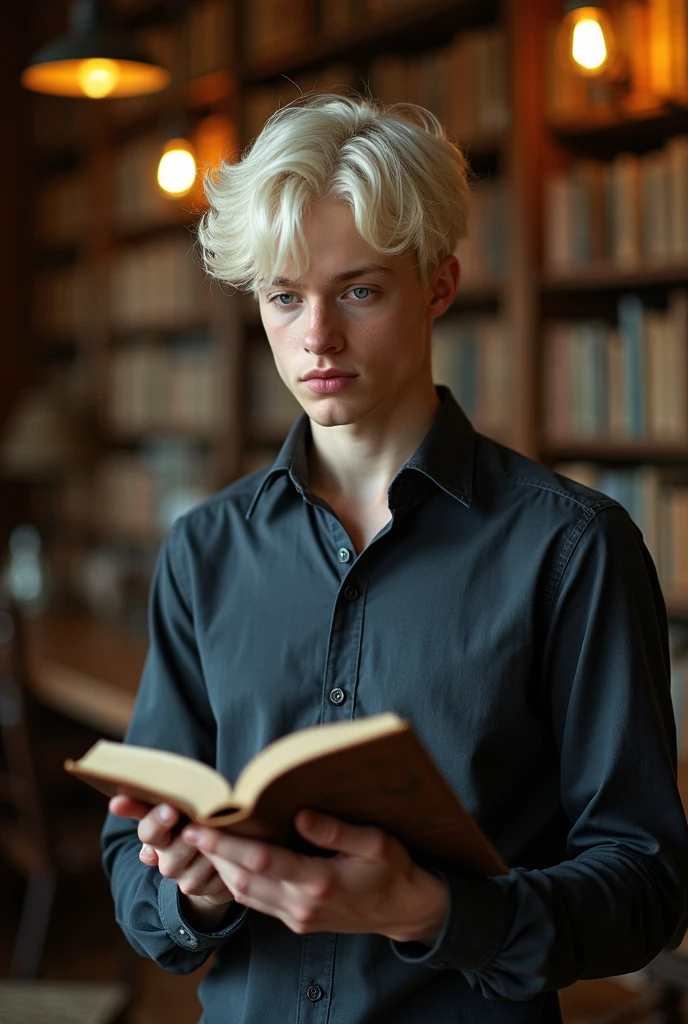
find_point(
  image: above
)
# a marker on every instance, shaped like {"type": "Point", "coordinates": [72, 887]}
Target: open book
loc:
{"type": "Point", "coordinates": [372, 771]}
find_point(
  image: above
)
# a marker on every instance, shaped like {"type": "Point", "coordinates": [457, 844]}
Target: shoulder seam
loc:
{"type": "Point", "coordinates": [179, 573]}
{"type": "Point", "coordinates": [570, 546]}
{"type": "Point", "coordinates": [592, 506]}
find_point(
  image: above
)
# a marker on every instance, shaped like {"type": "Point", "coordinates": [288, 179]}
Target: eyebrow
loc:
{"type": "Point", "coordinates": [348, 275]}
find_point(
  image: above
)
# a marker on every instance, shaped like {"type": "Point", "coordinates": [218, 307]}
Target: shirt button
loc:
{"type": "Point", "coordinates": [314, 992]}
{"type": "Point", "coordinates": [337, 696]}
{"type": "Point", "coordinates": [344, 554]}
{"type": "Point", "coordinates": [350, 593]}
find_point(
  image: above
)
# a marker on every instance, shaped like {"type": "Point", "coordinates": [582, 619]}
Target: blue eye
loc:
{"type": "Point", "coordinates": [361, 289]}
{"type": "Point", "coordinates": [283, 295]}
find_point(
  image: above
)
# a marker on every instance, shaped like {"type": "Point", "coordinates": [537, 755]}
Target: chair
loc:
{"type": "Point", "coordinates": [49, 830]}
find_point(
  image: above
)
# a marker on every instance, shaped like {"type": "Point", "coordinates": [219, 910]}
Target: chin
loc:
{"type": "Point", "coordinates": [333, 412]}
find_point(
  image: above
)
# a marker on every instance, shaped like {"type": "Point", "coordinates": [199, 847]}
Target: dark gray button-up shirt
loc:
{"type": "Point", "coordinates": [516, 619]}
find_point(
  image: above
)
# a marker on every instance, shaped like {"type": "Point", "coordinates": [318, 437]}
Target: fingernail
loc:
{"type": "Point", "coordinates": [192, 834]}
{"type": "Point", "coordinates": [146, 850]}
{"type": "Point", "coordinates": [165, 813]}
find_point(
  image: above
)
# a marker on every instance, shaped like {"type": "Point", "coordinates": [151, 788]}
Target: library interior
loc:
{"type": "Point", "coordinates": [132, 387]}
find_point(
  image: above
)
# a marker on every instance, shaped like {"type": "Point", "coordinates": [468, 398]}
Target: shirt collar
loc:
{"type": "Point", "coordinates": [444, 457]}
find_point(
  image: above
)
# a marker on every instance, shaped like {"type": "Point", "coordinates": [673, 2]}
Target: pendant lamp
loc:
{"type": "Point", "coordinates": [93, 59]}
{"type": "Point", "coordinates": [586, 38]}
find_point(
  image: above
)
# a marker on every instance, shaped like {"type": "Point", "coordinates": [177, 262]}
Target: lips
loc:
{"type": "Point", "coordinates": [324, 374]}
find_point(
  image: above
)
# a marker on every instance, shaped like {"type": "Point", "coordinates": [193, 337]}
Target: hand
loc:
{"type": "Point", "coordinates": [371, 885]}
{"type": "Point", "coordinates": [207, 897]}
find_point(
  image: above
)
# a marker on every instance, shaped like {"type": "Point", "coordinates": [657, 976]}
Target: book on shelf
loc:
{"type": "Point", "coordinates": [60, 210]}
{"type": "Point", "coordinates": [271, 406]}
{"type": "Point", "coordinates": [622, 381]}
{"type": "Point", "coordinates": [210, 29]}
{"type": "Point", "coordinates": [471, 356]}
{"type": "Point", "coordinates": [158, 284]}
{"type": "Point", "coordinates": [60, 306]}
{"type": "Point", "coordinates": [484, 253]}
{"type": "Point", "coordinates": [630, 212]}
{"type": "Point", "coordinates": [260, 102]}
{"type": "Point", "coordinates": [178, 385]}
{"type": "Point", "coordinates": [463, 83]}
{"type": "Point", "coordinates": [368, 771]}
{"type": "Point", "coordinates": [276, 29]}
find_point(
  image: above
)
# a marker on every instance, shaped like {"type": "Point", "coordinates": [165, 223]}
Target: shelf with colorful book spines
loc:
{"type": "Point", "coordinates": [613, 370]}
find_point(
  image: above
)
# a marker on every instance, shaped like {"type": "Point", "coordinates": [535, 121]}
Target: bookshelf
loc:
{"type": "Point", "coordinates": [614, 239]}
{"type": "Point", "coordinates": [177, 376]}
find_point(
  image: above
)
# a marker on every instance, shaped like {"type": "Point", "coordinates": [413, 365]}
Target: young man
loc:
{"type": "Point", "coordinates": [394, 559]}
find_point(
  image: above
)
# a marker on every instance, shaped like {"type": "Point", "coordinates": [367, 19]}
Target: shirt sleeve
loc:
{"type": "Point", "coordinates": [172, 712]}
{"type": "Point", "coordinates": [620, 896]}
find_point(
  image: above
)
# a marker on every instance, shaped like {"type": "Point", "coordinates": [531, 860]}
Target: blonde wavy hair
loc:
{"type": "Point", "coordinates": [407, 185]}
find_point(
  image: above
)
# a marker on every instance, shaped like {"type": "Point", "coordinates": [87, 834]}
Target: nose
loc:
{"type": "Point", "coordinates": [323, 333]}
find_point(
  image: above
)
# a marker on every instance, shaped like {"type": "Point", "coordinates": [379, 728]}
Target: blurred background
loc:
{"type": "Point", "coordinates": [130, 388]}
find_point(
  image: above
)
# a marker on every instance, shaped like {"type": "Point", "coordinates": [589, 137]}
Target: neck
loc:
{"type": "Point", "coordinates": [358, 461]}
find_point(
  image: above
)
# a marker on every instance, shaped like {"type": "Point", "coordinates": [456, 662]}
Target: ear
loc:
{"type": "Point", "coordinates": [443, 283]}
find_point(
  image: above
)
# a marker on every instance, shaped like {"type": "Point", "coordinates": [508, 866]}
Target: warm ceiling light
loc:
{"type": "Point", "coordinates": [177, 167]}
{"type": "Point", "coordinates": [98, 77]}
{"type": "Point", "coordinates": [92, 60]}
{"type": "Point", "coordinates": [586, 39]}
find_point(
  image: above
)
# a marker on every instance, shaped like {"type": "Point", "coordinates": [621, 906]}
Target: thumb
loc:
{"type": "Point", "coordinates": [332, 834]}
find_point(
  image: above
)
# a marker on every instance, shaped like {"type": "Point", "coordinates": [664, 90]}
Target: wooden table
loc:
{"type": "Point", "coordinates": [84, 668]}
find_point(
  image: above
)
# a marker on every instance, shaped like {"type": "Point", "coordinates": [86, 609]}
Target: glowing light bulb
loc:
{"type": "Point", "coordinates": [588, 47]}
{"type": "Point", "coordinates": [177, 167]}
{"type": "Point", "coordinates": [586, 42]}
{"type": "Point", "coordinates": [98, 77]}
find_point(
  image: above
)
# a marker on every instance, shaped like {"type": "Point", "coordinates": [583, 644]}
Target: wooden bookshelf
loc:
{"type": "Point", "coordinates": [530, 148]}
{"type": "Point", "coordinates": [605, 277]}
{"type": "Point", "coordinates": [614, 450]}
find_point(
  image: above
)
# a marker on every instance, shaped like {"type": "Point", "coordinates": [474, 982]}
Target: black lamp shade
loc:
{"type": "Point", "coordinates": [58, 67]}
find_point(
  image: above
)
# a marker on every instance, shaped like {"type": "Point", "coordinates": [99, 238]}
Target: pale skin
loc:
{"type": "Point", "coordinates": [370, 316]}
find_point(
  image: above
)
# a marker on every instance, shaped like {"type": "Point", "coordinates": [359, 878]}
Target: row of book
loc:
{"type": "Point", "coordinates": [484, 254]}
{"type": "Point", "coordinates": [629, 212]}
{"type": "Point", "coordinates": [180, 386]}
{"type": "Point", "coordinates": [260, 103]}
{"type": "Point", "coordinates": [464, 83]}
{"type": "Point", "coordinates": [159, 284]}
{"type": "Point", "coordinates": [471, 356]}
{"type": "Point", "coordinates": [138, 200]}
{"type": "Point", "coordinates": [623, 381]}
{"type": "Point", "coordinates": [657, 501]}
{"type": "Point", "coordinates": [60, 302]}
{"type": "Point", "coordinates": [270, 406]}
{"type": "Point", "coordinates": [652, 43]}
{"type": "Point", "coordinates": [137, 496]}
{"type": "Point", "coordinates": [61, 209]}
{"type": "Point", "coordinates": [274, 29]}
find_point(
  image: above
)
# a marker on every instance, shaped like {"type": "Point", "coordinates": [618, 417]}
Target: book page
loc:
{"type": "Point", "coordinates": [300, 747]}
{"type": "Point", "coordinates": [172, 777]}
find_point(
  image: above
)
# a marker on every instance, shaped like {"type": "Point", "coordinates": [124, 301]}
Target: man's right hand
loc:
{"type": "Point", "coordinates": [205, 897]}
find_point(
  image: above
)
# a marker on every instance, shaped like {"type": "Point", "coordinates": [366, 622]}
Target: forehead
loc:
{"type": "Point", "coordinates": [336, 250]}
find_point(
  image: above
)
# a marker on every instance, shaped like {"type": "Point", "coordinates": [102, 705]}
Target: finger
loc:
{"type": "Point", "coordinates": [330, 833]}
{"type": "Point", "coordinates": [259, 858]}
{"type": "Point", "coordinates": [149, 856]}
{"type": "Point", "coordinates": [156, 827]}
{"type": "Point", "coordinates": [126, 807]}
{"type": "Point", "coordinates": [175, 858]}
{"type": "Point", "coordinates": [201, 879]}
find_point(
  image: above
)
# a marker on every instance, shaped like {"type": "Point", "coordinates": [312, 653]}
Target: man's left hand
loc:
{"type": "Point", "coordinates": [371, 885]}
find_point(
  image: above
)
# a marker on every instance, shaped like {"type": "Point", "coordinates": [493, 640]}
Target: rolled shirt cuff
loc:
{"type": "Point", "coordinates": [473, 928]}
{"type": "Point", "coordinates": [181, 931]}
